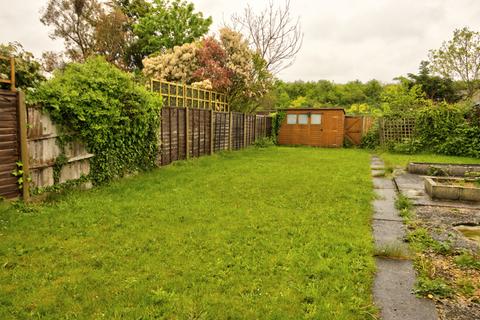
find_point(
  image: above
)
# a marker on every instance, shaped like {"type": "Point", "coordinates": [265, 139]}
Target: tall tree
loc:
{"type": "Point", "coordinates": [162, 25]}
{"type": "Point", "coordinates": [74, 22]}
{"type": "Point", "coordinates": [459, 58]}
{"type": "Point", "coordinates": [435, 87]}
{"type": "Point", "coordinates": [273, 33]}
{"type": "Point", "coordinates": [112, 36]}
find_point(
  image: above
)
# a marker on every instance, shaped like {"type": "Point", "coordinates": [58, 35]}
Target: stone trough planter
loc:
{"type": "Point", "coordinates": [448, 188]}
{"type": "Point", "coordinates": [455, 170]}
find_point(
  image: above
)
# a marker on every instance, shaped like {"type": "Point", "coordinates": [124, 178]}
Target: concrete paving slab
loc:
{"type": "Point", "coordinates": [387, 232]}
{"type": "Point", "coordinates": [392, 292]}
{"type": "Point", "coordinates": [378, 173]}
{"type": "Point", "coordinates": [382, 183]}
{"type": "Point", "coordinates": [387, 194]}
{"type": "Point", "coordinates": [395, 279]}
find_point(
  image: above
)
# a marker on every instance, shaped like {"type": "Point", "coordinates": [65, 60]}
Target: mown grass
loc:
{"type": "Point", "coordinates": [275, 233]}
{"type": "Point", "coordinates": [394, 160]}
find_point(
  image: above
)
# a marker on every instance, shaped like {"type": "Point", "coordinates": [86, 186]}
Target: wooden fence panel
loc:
{"type": "Point", "coordinates": [231, 130]}
{"type": "Point", "coordinates": [221, 131]}
{"type": "Point", "coordinates": [9, 144]}
{"type": "Point", "coordinates": [268, 126]}
{"type": "Point", "coordinates": [237, 131]}
{"type": "Point", "coordinates": [199, 132]}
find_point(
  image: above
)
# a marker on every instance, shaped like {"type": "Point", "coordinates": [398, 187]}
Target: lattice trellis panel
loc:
{"type": "Point", "coordinates": [396, 130]}
{"type": "Point", "coordinates": [185, 96]}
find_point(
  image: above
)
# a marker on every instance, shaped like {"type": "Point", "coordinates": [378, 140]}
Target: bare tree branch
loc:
{"type": "Point", "coordinates": [272, 33]}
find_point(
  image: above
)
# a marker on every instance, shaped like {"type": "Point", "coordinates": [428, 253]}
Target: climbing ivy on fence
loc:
{"type": "Point", "coordinates": [277, 119]}
{"type": "Point", "coordinates": [103, 107]}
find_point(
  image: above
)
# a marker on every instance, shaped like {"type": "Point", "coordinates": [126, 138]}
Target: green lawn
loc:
{"type": "Point", "coordinates": [276, 233]}
{"type": "Point", "coordinates": [401, 160]}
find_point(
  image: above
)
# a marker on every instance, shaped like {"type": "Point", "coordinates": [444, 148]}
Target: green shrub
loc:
{"type": "Point", "coordinates": [436, 287]}
{"type": "Point", "coordinates": [408, 146]}
{"type": "Point", "coordinates": [445, 129]}
{"type": "Point", "coordinates": [421, 240]}
{"type": "Point", "coordinates": [277, 119]}
{"type": "Point", "coordinates": [372, 139]}
{"type": "Point", "coordinates": [264, 142]}
{"type": "Point", "coordinates": [103, 107]}
{"type": "Point", "coordinates": [467, 260]}
{"type": "Point", "coordinates": [403, 203]}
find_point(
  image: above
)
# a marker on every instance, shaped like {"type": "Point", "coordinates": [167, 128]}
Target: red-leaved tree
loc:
{"type": "Point", "coordinates": [212, 61]}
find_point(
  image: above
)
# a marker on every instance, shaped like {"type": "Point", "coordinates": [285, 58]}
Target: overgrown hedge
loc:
{"type": "Point", "coordinates": [450, 129]}
{"type": "Point", "coordinates": [103, 107]}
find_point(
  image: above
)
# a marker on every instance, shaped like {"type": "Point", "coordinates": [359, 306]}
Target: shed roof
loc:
{"type": "Point", "coordinates": [312, 109]}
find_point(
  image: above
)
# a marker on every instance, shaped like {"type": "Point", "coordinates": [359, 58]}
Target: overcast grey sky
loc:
{"type": "Point", "coordinates": [343, 39]}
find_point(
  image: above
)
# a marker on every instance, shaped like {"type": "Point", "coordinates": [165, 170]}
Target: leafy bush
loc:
{"type": "Point", "coordinates": [467, 260]}
{"type": "Point", "coordinates": [27, 70]}
{"type": "Point", "coordinates": [436, 287]}
{"type": "Point", "coordinates": [264, 142]}
{"type": "Point", "coordinates": [117, 119]}
{"type": "Point", "coordinates": [372, 139]}
{"type": "Point", "coordinates": [450, 129]}
{"type": "Point", "coordinates": [408, 146]}
{"type": "Point", "coordinates": [277, 119]}
{"type": "Point", "coordinates": [445, 129]}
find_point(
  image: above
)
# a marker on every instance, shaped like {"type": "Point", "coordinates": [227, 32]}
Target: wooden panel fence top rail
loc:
{"type": "Point", "coordinates": [11, 79]}
{"type": "Point", "coordinates": [181, 95]}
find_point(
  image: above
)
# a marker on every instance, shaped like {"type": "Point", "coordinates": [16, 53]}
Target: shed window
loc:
{"type": "Point", "coordinates": [303, 119]}
{"type": "Point", "coordinates": [316, 119]}
{"type": "Point", "coordinates": [291, 119]}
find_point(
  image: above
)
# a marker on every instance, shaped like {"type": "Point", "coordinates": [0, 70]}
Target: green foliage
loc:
{"type": "Point", "coordinates": [444, 129]}
{"type": "Point", "coordinates": [164, 24]}
{"type": "Point", "coordinates": [264, 142]}
{"type": "Point", "coordinates": [459, 58]}
{"type": "Point", "coordinates": [403, 203]}
{"type": "Point", "coordinates": [27, 70]}
{"type": "Point", "coordinates": [20, 174]}
{"type": "Point", "coordinates": [435, 88]}
{"type": "Point", "coordinates": [371, 140]}
{"type": "Point", "coordinates": [60, 161]}
{"type": "Point", "coordinates": [436, 287]}
{"type": "Point", "coordinates": [421, 240]}
{"type": "Point", "coordinates": [408, 146]}
{"type": "Point", "coordinates": [398, 99]}
{"type": "Point", "coordinates": [117, 119]}
{"type": "Point", "coordinates": [467, 260]}
{"type": "Point", "coordinates": [277, 119]}
{"type": "Point", "coordinates": [325, 93]}
{"type": "Point", "coordinates": [392, 251]}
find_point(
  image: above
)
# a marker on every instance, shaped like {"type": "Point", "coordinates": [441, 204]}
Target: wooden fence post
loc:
{"type": "Point", "coordinates": [212, 133]}
{"type": "Point", "coordinates": [244, 130]}
{"type": "Point", "coordinates": [22, 124]}
{"type": "Point", "coordinates": [230, 129]}
{"type": "Point", "coordinates": [187, 140]}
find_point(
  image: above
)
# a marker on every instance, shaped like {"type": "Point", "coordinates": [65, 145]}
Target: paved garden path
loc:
{"type": "Point", "coordinates": [395, 278]}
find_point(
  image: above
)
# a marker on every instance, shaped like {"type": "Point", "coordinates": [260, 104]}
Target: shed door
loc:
{"type": "Point", "coordinates": [332, 130]}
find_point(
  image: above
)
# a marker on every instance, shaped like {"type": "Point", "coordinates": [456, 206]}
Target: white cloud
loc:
{"type": "Point", "coordinates": [344, 39]}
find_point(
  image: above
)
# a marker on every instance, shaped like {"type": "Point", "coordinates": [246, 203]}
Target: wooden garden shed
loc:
{"type": "Point", "coordinates": [322, 127]}
{"type": "Point", "coordinates": [313, 127]}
